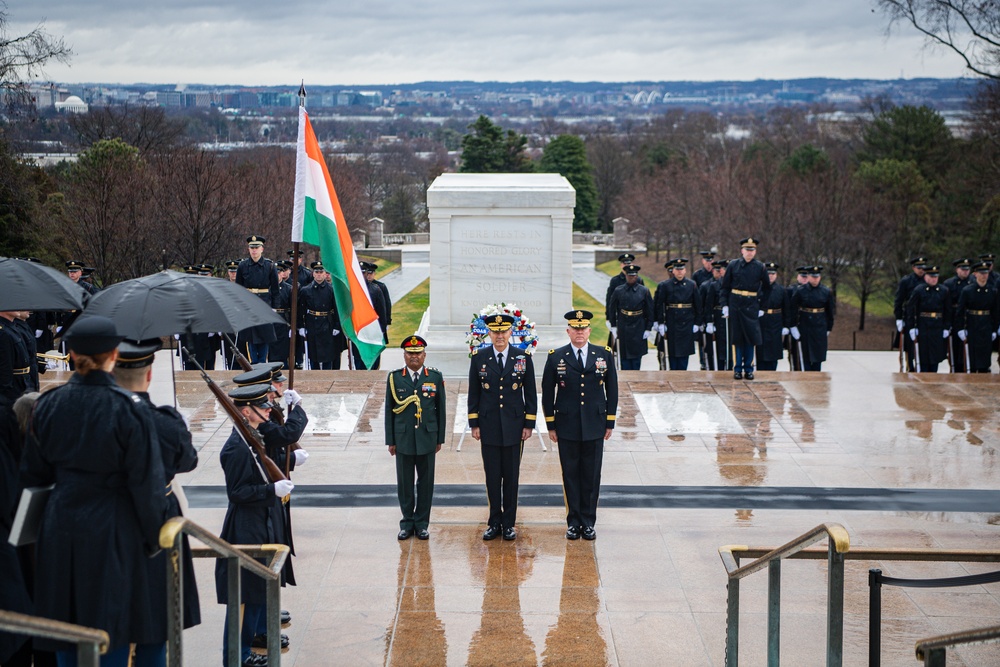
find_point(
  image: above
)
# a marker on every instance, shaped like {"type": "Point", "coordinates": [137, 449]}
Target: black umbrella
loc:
{"type": "Point", "coordinates": [169, 302]}
{"type": "Point", "coordinates": [28, 285]}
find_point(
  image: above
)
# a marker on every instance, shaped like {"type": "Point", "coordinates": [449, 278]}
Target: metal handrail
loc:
{"type": "Point", "coordinates": [239, 557]}
{"type": "Point", "coordinates": [838, 545]}
{"type": "Point", "coordinates": [931, 651]}
{"type": "Point", "coordinates": [91, 643]}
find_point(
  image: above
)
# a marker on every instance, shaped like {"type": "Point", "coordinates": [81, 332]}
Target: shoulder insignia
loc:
{"type": "Point", "coordinates": [607, 348]}
{"type": "Point", "coordinates": [551, 351]}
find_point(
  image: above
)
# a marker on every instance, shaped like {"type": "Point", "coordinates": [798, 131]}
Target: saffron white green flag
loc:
{"type": "Point", "coordinates": [318, 220]}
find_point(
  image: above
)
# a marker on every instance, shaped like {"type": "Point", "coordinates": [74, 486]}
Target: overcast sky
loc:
{"type": "Point", "coordinates": [268, 42]}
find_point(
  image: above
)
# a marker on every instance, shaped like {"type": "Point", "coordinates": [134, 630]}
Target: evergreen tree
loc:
{"type": "Point", "coordinates": [487, 150]}
{"type": "Point", "coordinates": [567, 155]}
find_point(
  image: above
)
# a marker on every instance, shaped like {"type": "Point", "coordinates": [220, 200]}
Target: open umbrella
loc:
{"type": "Point", "coordinates": [168, 302]}
{"type": "Point", "coordinates": [33, 286]}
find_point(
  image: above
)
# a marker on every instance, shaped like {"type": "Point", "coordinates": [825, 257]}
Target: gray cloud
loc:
{"type": "Point", "coordinates": [385, 42]}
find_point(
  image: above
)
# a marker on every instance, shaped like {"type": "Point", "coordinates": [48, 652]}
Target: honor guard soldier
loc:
{"type": "Point", "coordinates": [259, 276]}
{"type": "Point", "coordinates": [700, 277]}
{"type": "Point", "coordinates": [580, 420]}
{"type": "Point", "coordinates": [415, 428]}
{"type": "Point", "coordinates": [231, 267]}
{"type": "Point", "coordinates": [319, 323]}
{"type": "Point", "coordinates": [616, 281]}
{"type": "Point", "coordinates": [774, 322]}
{"type": "Point", "coordinates": [303, 274]}
{"type": "Point", "coordinates": [278, 352]}
{"type": "Point", "coordinates": [74, 269]}
{"type": "Point", "coordinates": [384, 317]}
{"type": "Point", "coordinates": [254, 516]}
{"type": "Point", "coordinates": [704, 274]}
{"type": "Point", "coordinates": [134, 372]}
{"type": "Point", "coordinates": [955, 285]}
{"type": "Point", "coordinates": [204, 346]}
{"type": "Point", "coordinates": [631, 310]}
{"type": "Point", "coordinates": [812, 315]}
{"type": "Point", "coordinates": [744, 288]}
{"type": "Point", "coordinates": [928, 319]}
{"type": "Point", "coordinates": [716, 334]}
{"type": "Point", "coordinates": [502, 407]}
{"type": "Point", "coordinates": [15, 363]}
{"type": "Point", "coordinates": [989, 259]}
{"type": "Point", "coordinates": [977, 319]}
{"type": "Point", "coordinates": [906, 286]}
{"type": "Point", "coordinates": [677, 310]}
{"type": "Point", "coordinates": [794, 347]}
{"type": "Point", "coordinates": [378, 303]}
{"type": "Point", "coordinates": [20, 325]}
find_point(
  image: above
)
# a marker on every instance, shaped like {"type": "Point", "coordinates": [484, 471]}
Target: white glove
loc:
{"type": "Point", "coordinates": [710, 328]}
{"type": "Point", "coordinates": [292, 398]}
{"type": "Point", "coordinates": [899, 325]}
{"type": "Point", "coordinates": [607, 324]}
{"type": "Point", "coordinates": [994, 335]}
{"type": "Point", "coordinates": [38, 333]}
{"type": "Point", "coordinates": [913, 334]}
{"type": "Point", "coordinates": [945, 333]}
{"type": "Point", "coordinates": [58, 329]}
{"type": "Point", "coordinates": [795, 333]}
{"type": "Point", "coordinates": [335, 332]}
{"type": "Point", "coordinates": [962, 334]}
{"type": "Point", "coordinates": [827, 334]}
{"type": "Point", "coordinates": [210, 335]}
{"type": "Point", "coordinates": [301, 456]}
{"type": "Point", "coordinates": [614, 331]}
{"type": "Point", "coordinates": [784, 331]}
{"type": "Point", "coordinates": [283, 487]}
{"type": "Point", "coordinates": [289, 334]}
{"type": "Point", "coordinates": [695, 328]}
{"type": "Point", "coordinates": [302, 331]}
{"type": "Point", "coordinates": [662, 328]}
{"type": "Point", "coordinates": [645, 335]}
{"type": "Point", "coordinates": [176, 336]}
{"type": "Point", "coordinates": [760, 313]}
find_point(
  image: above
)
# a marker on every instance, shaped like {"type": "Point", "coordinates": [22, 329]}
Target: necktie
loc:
{"type": "Point", "coordinates": [414, 377]}
{"type": "Point", "coordinates": [500, 360]}
{"type": "Point", "coordinates": [579, 356]}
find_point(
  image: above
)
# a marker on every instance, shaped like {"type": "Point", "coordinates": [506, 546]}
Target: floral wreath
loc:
{"type": "Point", "coordinates": [522, 335]}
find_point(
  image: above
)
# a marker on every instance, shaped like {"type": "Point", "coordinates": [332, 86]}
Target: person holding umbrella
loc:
{"type": "Point", "coordinates": [109, 491]}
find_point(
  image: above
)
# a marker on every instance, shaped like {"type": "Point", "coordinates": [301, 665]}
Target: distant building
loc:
{"type": "Point", "coordinates": [72, 104]}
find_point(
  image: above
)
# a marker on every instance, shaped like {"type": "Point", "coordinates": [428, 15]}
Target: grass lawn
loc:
{"type": "Point", "coordinates": [407, 312]}
{"type": "Point", "coordinates": [614, 267]}
{"type": "Point", "coordinates": [385, 266]}
{"type": "Point", "coordinates": [878, 305]}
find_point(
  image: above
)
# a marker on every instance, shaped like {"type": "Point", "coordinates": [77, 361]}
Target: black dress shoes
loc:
{"type": "Point", "coordinates": [509, 534]}
{"type": "Point", "coordinates": [404, 534]}
{"type": "Point", "coordinates": [749, 375]}
{"type": "Point", "coordinates": [491, 533]}
{"type": "Point", "coordinates": [589, 533]}
{"type": "Point", "coordinates": [255, 660]}
{"type": "Point", "coordinates": [572, 533]}
{"type": "Point", "coordinates": [260, 641]}
{"type": "Point", "coordinates": [286, 617]}
{"type": "Point", "coordinates": [737, 375]}
{"type": "Point", "coordinates": [423, 534]}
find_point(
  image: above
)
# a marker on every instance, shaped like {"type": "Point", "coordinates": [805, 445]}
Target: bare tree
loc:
{"type": "Point", "coordinates": [23, 57]}
{"type": "Point", "coordinates": [146, 128]}
{"type": "Point", "coordinates": [969, 28]}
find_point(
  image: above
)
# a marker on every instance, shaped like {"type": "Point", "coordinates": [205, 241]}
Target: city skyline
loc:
{"type": "Point", "coordinates": [385, 43]}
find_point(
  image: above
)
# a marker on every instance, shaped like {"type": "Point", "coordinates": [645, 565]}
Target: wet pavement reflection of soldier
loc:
{"type": "Point", "coordinates": [501, 637]}
{"type": "Point", "coordinates": [576, 638]}
{"type": "Point", "coordinates": [416, 635]}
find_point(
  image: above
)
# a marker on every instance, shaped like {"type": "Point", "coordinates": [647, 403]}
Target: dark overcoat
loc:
{"type": "Point", "coordinates": [776, 317]}
{"type": "Point", "coordinates": [678, 304]}
{"type": "Point", "coordinates": [929, 311]}
{"type": "Point", "coordinates": [261, 278]}
{"type": "Point", "coordinates": [979, 314]}
{"type": "Point", "coordinates": [813, 312]}
{"type": "Point", "coordinates": [631, 312]}
{"type": "Point", "coordinates": [744, 288]}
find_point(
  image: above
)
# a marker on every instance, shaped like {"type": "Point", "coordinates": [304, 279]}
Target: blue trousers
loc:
{"type": "Point", "coordinates": [631, 364]}
{"type": "Point", "coordinates": [744, 358]}
{"type": "Point", "coordinates": [258, 352]}
{"type": "Point", "coordinates": [678, 363]}
{"type": "Point", "coordinates": [146, 655]}
{"type": "Point", "coordinates": [252, 614]}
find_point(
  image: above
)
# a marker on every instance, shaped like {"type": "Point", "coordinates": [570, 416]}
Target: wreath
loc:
{"type": "Point", "coordinates": [522, 335]}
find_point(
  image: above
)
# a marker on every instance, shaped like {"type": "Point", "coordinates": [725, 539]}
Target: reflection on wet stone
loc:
{"type": "Point", "coordinates": [501, 637]}
{"type": "Point", "coordinates": [417, 637]}
{"type": "Point", "coordinates": [686, 413]}
{"type": "Point", "coordinates": [576, 638]}
{"type": "Point", "coordinates": [334, 413]}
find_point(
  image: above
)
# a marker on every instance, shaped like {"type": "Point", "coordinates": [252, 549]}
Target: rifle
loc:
{"type": "Point", "coordinates": [947, 347]}
{"type": "Point", "coordinates": [916, 352]}
{"type": "Point", "coordinates": [249, 435]}
{"type": "Point", "coordinates": [965, 352]}
{"type": "Point", "coordinates": [240, 359]}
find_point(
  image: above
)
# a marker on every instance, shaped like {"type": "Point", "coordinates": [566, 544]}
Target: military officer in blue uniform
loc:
{"type": "Point", "coordinates": [278, 351]}
{"type": "Point", "coordinates": [631, 319]}
{"type": "Point", "coordinates": [502, 407]}
{"type": "Point", "coordinates": [906, 286]}
{"type": "Point", "coordinates": [616, 281]}
{"type": "Point", "coordinates": [774, 322]}
{"type": "Point", "coordinates": [319, 324]}
{"type": "Point", "coordinates": [717, 355]}
{"type": "Point", "coordinates": [258, 275]}
{"type": "Point", "coordinates": [677, 309]}
{"type": "Point", "coordinates": [928, 319]}
{"type": "Point", "coordinates": [955, 285]}
{"type": "Point", "coordinates": [415, 428]}
{"type": "Point", "coordinates": [812, 314]}
{"type": "Point", "coordinates": [977, 318]}
{"type": "Point", "coordinates": [580, 402]}
{"type": "Point", "coordinates": [744, 287]}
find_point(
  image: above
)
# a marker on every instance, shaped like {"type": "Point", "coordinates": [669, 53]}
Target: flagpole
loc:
{"type": "Point", "coordinates": [295, 284]}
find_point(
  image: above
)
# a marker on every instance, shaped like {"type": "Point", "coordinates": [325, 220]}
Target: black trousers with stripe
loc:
{"type": "Point", "coordinates": [502, 466]}
{"type": "Point", "coordinates": [581, 470]}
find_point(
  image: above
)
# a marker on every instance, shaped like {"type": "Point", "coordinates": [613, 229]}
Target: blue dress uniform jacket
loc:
{"type": "Point", "coordinates": [631, 311]}
{"type": "Point", "coordinates": [178, 455]}
{"type": "Point", "coordinates": [580, 403]}
{"type": "Point", "coordinates": [743, 286]}
{"type": "Point", "coordinates": [103, 518]}
{"type": "Point", "coordinates": [279, 350]}
{"type": "Point", "coordinates": [277, 439]}
{"type": "Point", "coordinates": [929, 311]}
{"type": "Point", "coordinates": [15, 364]}
{"type": "Point", "coordinates": [776, 316]}
{"type": "Point", "coordinates": [502, 401]}
{"type": "Point", "coordinates": [317, 312]}
{"type": "Point", "coordinates": [261, 278]}
{"type": "Point", "coordinates": [813, 311]}
{"type": "Point", "coordinates": [678, 304]}
{"type": "Point", "coordinates": [978, 313]}
{"type": "Point", "coordinates": [253, 516]}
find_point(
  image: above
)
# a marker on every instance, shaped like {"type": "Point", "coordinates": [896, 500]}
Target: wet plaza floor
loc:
{"type": "Point", "coordinates": [777, 457]}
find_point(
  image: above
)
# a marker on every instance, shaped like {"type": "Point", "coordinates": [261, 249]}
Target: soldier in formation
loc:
{"type": "Point", "coordinates": [631, 318]}
{"type": "Point", "coordinates": [977, 319]}
{"type": "Point", "coordinates": [906, 286]}
{"type": "Point", "coordinates": [744, 287]}
{"type": "Point", "coordinates": [811, 319]}
{"type": "Point", "coordinates": [678, 313]}
{"type": "Point", "coordinates": [928, 317]}
{"type": "Point", "coordinates": [774, 318]}
{"type": "Point", "coordinates": [955, 285]}
{"type": "Point", "coordinates": [717, 356]}
{"type": "Point", "coordinates": [319, 323]}
{"type": "Point", "coordinates": [616, 281]}
{"type": "Point", "coordinates": [258, 275]}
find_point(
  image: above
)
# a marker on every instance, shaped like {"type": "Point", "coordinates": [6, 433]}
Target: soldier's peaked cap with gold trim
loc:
{"type": "Point", "coordinates": [501, 322]}
{"type": "Point", "coordinates": [414, 344]}
{"type": "Point", "coordinates": [579, 319]}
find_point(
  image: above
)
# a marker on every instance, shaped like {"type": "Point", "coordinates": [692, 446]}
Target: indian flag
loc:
{"type": "Point", "coordinates": [318, 220]}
